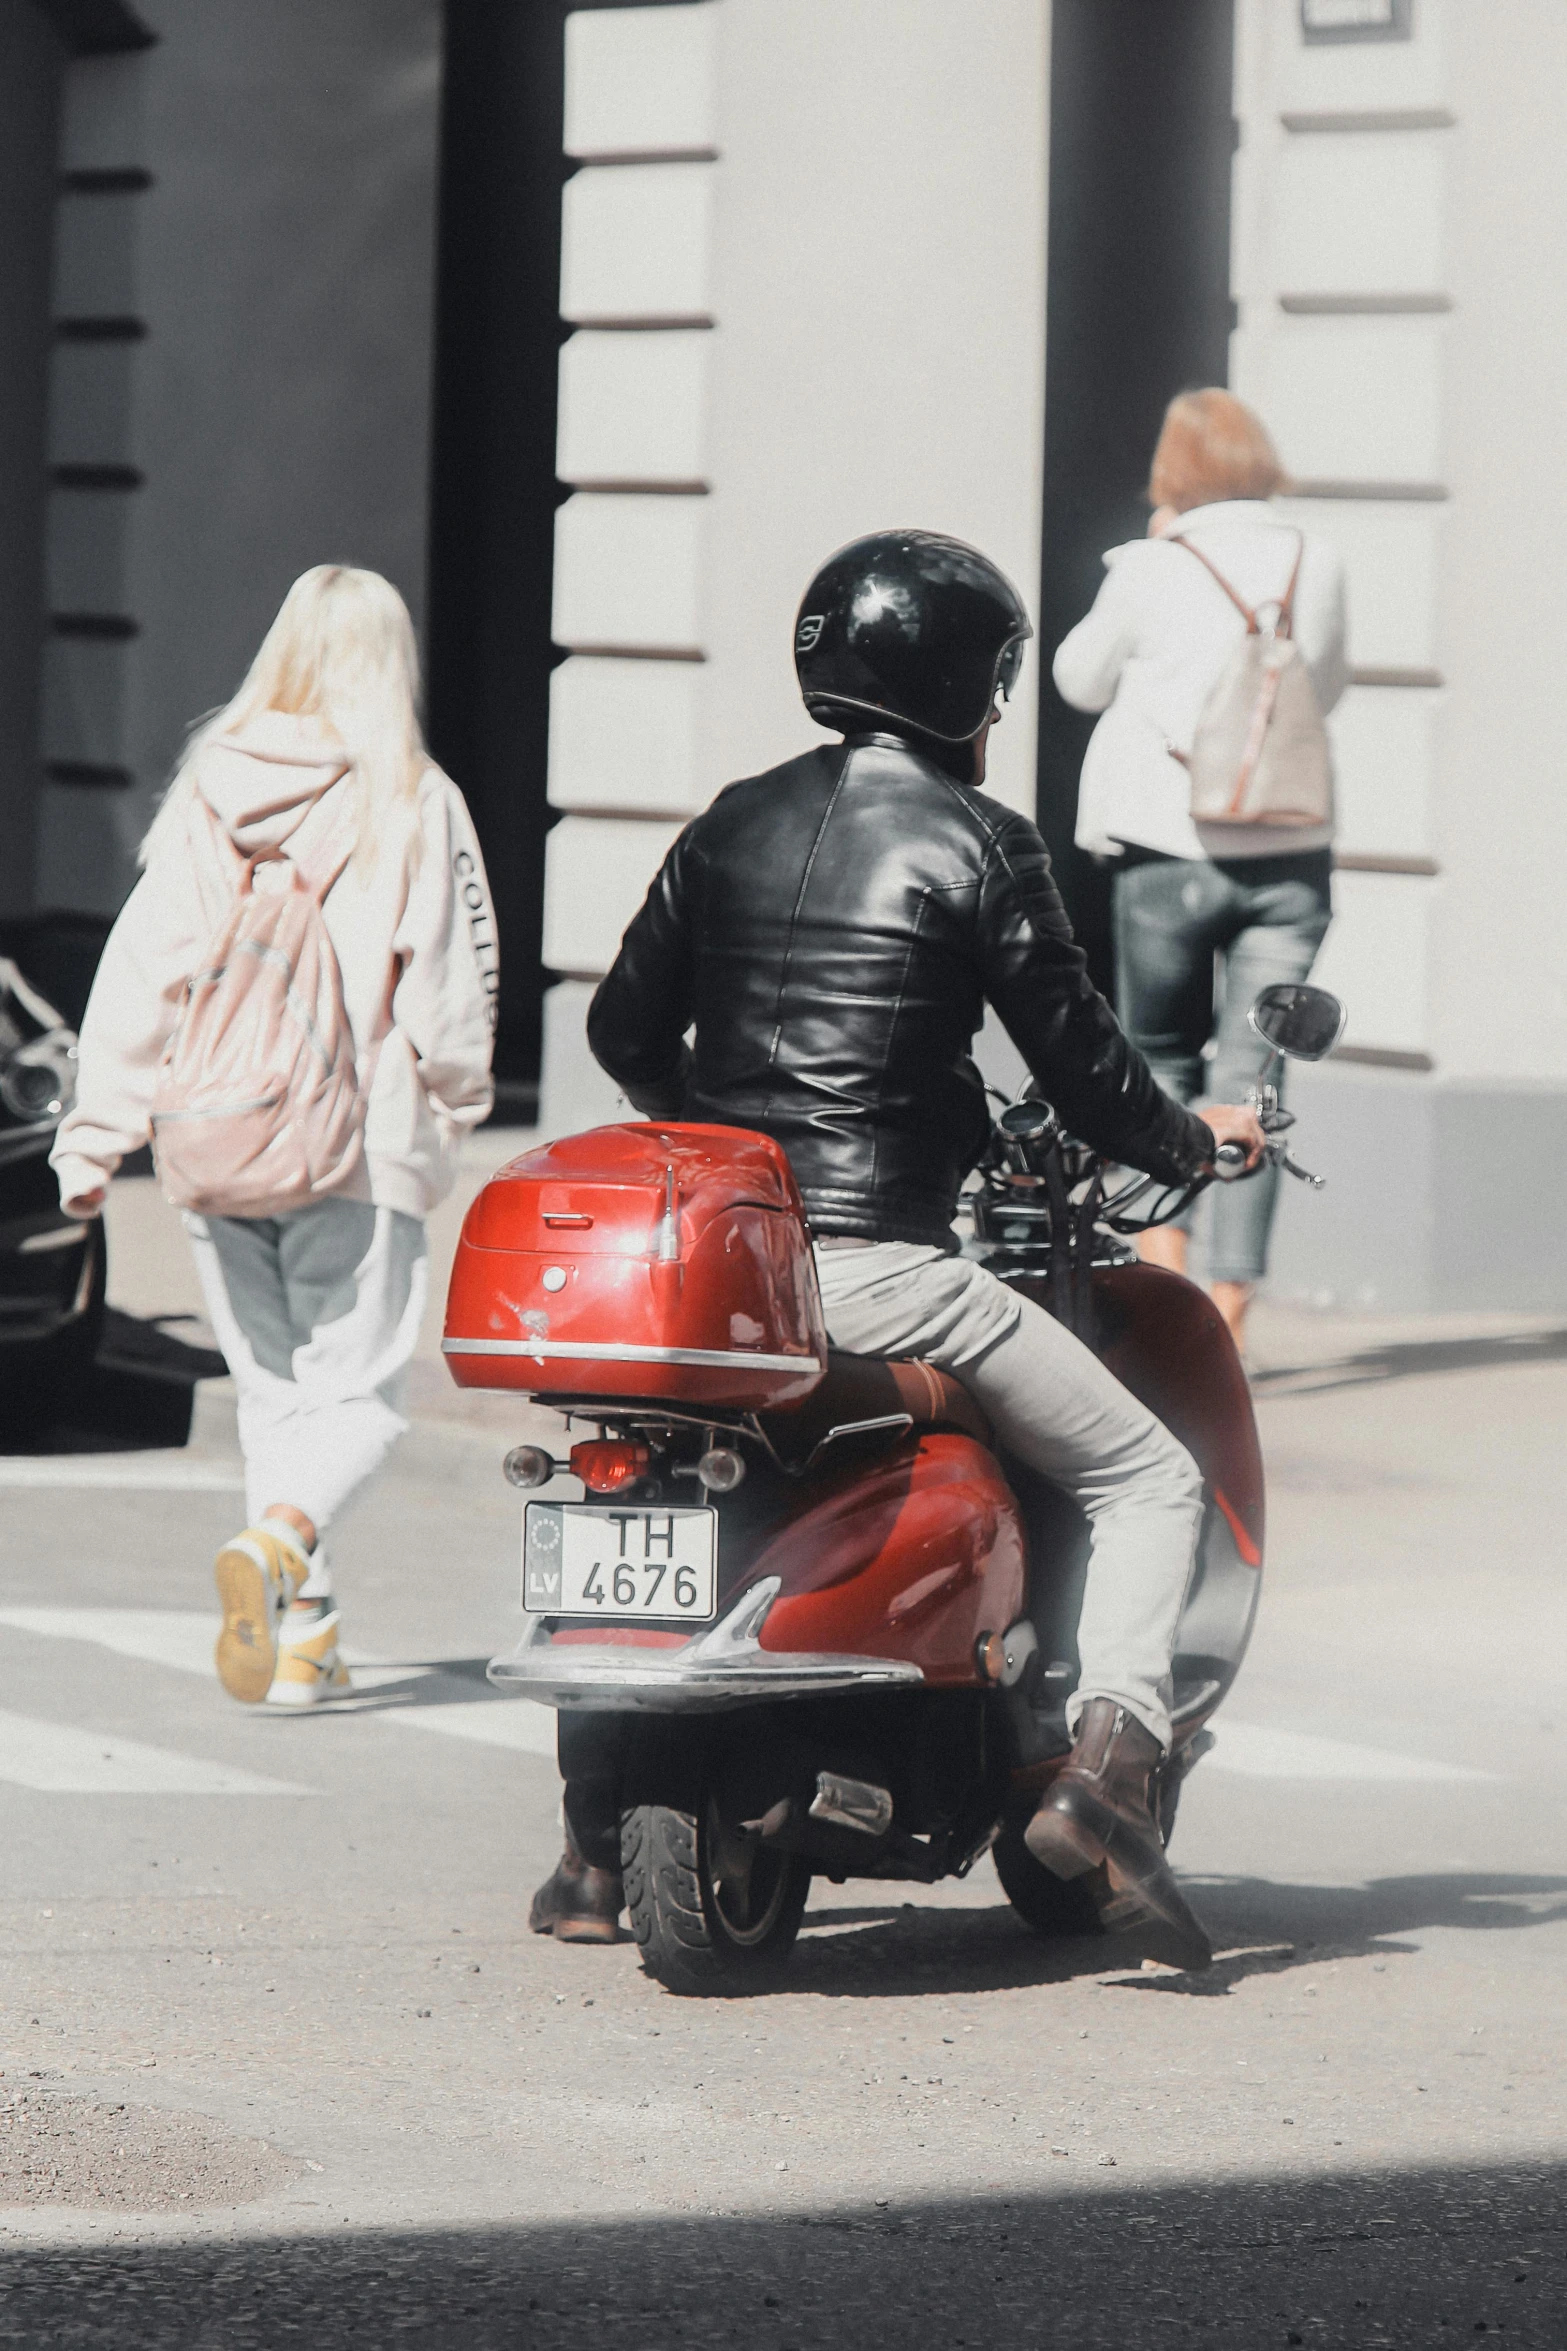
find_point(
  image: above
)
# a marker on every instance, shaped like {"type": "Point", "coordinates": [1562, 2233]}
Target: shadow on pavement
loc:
{"type": "Point", "coordinates": [1360, 2259]}
{"type": "Point", "coordinates": [1412, 1359]}
{"type": "Point", "coordinates": [898, 1950]}
{"type": "Point", "coordinates": [138, 1393]}
{"type": "Point", "coordinates": [424, 1682]}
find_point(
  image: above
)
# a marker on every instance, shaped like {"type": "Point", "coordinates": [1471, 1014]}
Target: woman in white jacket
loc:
{"type": "Point", "coordinates": [1258, 898]}
{"type": "Point", "coordinates": [316, 1309]}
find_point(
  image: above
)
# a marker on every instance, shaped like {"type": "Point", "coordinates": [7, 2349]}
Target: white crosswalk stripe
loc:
{"type": "Point", "coordinates": [149, 1473]}
{"type": "Point", "coordinates": [445, 1706]}
{"type": "Point", "coordinates": [58, 1759]}
{"type": "Point", "coordinates": [1261, 1753]}
{"type": "Point", "coordinates": [183, 1639]}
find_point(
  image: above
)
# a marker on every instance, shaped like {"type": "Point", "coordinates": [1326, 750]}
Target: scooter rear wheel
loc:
{"type": "Point", "coordinates": [1051, 1907]}
{"type": "Point", "coordinates": [711, 1913]}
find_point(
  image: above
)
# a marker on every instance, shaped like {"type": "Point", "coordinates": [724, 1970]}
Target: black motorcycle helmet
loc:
{"type": "Point", "coordinates": [910, 630]}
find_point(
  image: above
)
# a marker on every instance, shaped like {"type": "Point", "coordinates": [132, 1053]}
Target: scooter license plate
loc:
{"type": "Point", "coordinates": [586, 1559]}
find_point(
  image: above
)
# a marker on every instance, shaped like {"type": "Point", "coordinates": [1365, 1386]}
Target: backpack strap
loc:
{"type": "Point", "coordinates": [1253, 625]}
{"type": "Point", "coordinates": [1284, 625]}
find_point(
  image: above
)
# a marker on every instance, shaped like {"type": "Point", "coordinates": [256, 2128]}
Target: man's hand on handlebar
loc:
{"type": "Point", "coordinates": [1229, 1124]}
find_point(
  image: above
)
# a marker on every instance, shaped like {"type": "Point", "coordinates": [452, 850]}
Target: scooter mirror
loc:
{"type": "Point", "coordinates": [1301, 1022]}
{"type": "Point", "coordinates": [1027, 1122]}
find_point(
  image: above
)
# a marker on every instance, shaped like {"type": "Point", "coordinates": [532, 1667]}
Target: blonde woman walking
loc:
{"type": "Point", "coordinates": [295, 1006]}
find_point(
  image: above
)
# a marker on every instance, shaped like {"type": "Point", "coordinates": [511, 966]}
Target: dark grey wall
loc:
{"type": "Point", "coordinates": [30, 64]}
{"type": "Point", "coordinates": [279, 404]}
{"type": "Point", "coordinates": [1137, 309]}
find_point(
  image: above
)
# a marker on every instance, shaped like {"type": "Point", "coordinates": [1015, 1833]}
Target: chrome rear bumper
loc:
{"type": "Point", "coordinates": [725, 1665]}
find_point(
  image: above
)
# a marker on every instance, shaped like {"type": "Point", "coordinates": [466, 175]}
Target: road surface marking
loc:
{"type": "Point", "coordinates": [123, 1472]}
{"type": "Point", "coordinates": [183, 1638]}
{"type": "Point", "coordinates": [1259, 1753]}
{"type": "Point", "coordinates": [59, 1759]}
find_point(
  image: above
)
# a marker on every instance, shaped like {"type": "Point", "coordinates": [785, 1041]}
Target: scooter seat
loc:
{"type": "Point", "coordinates": [899, 1391]}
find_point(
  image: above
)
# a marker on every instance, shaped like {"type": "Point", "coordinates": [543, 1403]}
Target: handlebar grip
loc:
{"type": "Point", "coordinates": [1229, 1161]}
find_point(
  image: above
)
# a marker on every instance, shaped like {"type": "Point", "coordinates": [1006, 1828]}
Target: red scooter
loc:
{"type": "Point", "coordinates": [837, 1626]}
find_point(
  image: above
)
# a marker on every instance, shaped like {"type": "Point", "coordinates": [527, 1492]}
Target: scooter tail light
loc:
{"type": "Point", "coordinates": [608, 1465]}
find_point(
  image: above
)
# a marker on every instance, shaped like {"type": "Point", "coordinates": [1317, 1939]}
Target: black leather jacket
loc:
{"type": "Point", "coordinates": [833, 929]}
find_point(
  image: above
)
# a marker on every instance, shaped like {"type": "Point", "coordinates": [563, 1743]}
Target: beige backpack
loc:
{"type": "Point", "coordinates": [1260, 754]}
{"type": "Point", "coordinates": [257, 1109]}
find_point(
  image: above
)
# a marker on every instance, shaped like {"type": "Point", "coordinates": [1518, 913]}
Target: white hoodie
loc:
{"type": "Point", "coordinates": [414, 935]}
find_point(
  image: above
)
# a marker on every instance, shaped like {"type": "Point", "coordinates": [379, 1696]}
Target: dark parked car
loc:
{"type": "Point", "coordinates": [51, 1268]}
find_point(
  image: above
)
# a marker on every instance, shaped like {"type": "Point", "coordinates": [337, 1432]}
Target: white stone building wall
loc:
{"type": "Point", "coordinates": [1403, 326]}
{"type": "Point", "coordinates": [805, 257]}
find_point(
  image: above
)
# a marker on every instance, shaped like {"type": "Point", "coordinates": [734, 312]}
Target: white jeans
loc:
{"type": "Point", "coordinates": [1053, 1404]}
{"type": "Point", "coordinates": [317, 1314]}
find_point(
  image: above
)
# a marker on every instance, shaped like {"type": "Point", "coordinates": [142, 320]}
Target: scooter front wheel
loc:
{"type": "Point", "coordinates": [713, 1910]}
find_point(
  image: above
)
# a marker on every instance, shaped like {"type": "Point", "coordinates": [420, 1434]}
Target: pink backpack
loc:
{"type": "Point", "coordinates": [257, 1109]}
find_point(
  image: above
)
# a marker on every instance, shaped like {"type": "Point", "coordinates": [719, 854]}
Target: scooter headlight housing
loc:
{"type": "Point", "coordinates": [38, 1081]}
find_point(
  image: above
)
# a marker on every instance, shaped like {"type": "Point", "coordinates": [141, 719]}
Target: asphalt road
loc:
{"type": "Point", "coordinates": [280, 2061]}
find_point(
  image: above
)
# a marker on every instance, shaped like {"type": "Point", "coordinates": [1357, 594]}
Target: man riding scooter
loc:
{"type": "Point", "coordinates": [832, 931]}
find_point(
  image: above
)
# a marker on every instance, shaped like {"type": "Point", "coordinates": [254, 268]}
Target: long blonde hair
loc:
{"type": "Point", "coordinates": [342, 651]}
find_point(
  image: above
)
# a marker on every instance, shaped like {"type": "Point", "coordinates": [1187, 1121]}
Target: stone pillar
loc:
{"type": "Point", "coordinates": [804, 257]}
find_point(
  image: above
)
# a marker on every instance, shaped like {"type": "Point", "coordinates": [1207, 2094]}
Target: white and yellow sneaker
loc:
{"type": "Point", "coordinates": [257, 1574]}
{"type": "Point", "coordinates": [309, 1668]}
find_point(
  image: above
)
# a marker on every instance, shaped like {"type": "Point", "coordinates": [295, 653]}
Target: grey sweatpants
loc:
{"type": "Point", "coordinates": [317, 1314]}
{"type": "Point", "coordinates": [1054, 1404]}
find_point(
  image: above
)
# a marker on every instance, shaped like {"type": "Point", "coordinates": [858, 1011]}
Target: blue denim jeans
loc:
{"type": "Point", "coordinates": [1194, 942]}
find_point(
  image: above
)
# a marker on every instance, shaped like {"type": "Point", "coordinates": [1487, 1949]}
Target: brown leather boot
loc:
{"type": "Point", "coordinates": [1100, 1808]}
{"type": "Point", "coordinates": [578, 1904]}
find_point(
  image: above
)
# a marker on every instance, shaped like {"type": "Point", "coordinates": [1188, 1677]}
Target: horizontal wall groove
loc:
{"type": "Point", "coordinates": [96, 477]}
{"type": "Point", "coordinates": [89, 775]}
{"type": "Point", "coordinates": [1353, 861]}
{"type": "Point", "coordinates": [114, 628]}
{"type": "Point", "coordinates": [1396, 677]}
{"type": "Point", "coordinates": [1403, 493]}
{"type": "Point", "coordinates": [636, 486]}
{"type": "Point", "coordinates": [100, 330]}
{"type": "Point", "coordinates": [1365, 305]}
{"type": "Point", "coordinates": [1372, 118]}
{"type": "Point", "coordinates": [120, 179]}
{"type": "Point", "coordinates": [1384, 1057]}
{"type": "Point", "coordinates": [656, 813]}
{"type": "Point", "coordinates": [602, 158]}
{"type": "Point", "coordinates": [642, 323]}
{"type": "Point", "coordinates": [636, 652]}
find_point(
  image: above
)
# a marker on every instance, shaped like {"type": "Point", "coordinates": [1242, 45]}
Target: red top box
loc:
{"type": "Point", "coordinates": [664, 1263]}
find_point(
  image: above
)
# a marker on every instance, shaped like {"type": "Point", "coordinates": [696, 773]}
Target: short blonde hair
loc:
{"type": "Point", "coordinates": [1212, 446]}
